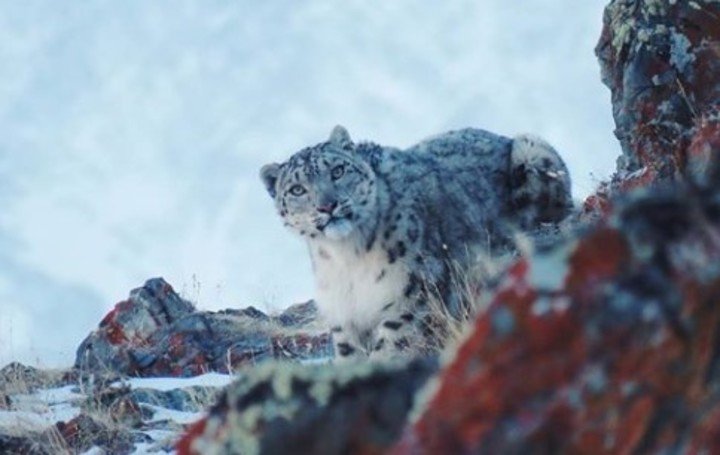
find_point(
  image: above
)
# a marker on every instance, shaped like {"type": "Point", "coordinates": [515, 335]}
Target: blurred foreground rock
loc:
{"type": "Point", "coordinates": [284, 408]}
{"type": "Point", "coordinates": [157, 333]}
{"type": "Point", "coordinates": [608, 345]}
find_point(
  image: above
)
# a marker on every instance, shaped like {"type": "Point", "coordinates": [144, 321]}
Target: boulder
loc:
{"type": "Point", "coordinates": [157, 333]}
{"type": "Point", "coordinates": [660, 60]}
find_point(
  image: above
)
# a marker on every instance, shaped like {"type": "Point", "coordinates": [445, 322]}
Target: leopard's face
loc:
{"type": "Point", "coordinates": [325, 191]}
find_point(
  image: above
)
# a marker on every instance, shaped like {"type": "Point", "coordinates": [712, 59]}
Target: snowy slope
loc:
{"type": "Point", "coordinates": [35, 412]}
{"type": "Point", "coordinates": [131, 133]}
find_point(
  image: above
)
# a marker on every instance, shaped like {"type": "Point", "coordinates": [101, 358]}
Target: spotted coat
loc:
{"type": "Point", "coordinates": [387, 228]}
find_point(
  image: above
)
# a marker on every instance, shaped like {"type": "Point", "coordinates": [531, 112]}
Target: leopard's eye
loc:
{"type": "Point", "coordinates": [297, 190]}
{"type": "Point", "coordinates": [337, 172]}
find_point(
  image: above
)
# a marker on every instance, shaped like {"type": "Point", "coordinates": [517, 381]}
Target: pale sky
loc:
{"type": "Point", "coordinates": [131, 133]}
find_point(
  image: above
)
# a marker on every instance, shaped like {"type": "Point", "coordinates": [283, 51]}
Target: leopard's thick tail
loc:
{"type": "Point", "coordinates": [539, 183]}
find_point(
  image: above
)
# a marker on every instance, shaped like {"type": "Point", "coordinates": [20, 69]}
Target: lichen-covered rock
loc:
{"type": "Point", "coordinates": [606, 345]}
{"type": "Point", "coordinates": [661, 60]}
{"type": "Point", "coordinates": [157, 333]}
{"type": "Point", "coordinates": [83, 433]}
{"type": "Point", "coordinates": [286, 408]}
{"type": "Point", "coordinates": [130, 326]}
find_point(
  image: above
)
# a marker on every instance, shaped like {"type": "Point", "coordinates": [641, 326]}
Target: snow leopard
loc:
{"type": "Point", "coordinates": [387, 228]}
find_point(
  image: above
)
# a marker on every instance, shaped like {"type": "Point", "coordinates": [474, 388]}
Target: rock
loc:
{"type": "Point", "coordinates": [18, 444]}
{"type": "Point", "coordinates": [605, 345]}
{"type": "Point", "coordinates": [118, 404]}
{"type": "Point", "coordinates": [83, 433]}
{"type": "Point", "coordinates": [287, 408]}
{"type": "Point", "coordinates": [660, 61]}
{"type": "Point", "coordinates": [128, 328]}
{"type": "Point", "coordinates": [157, 333]}
{"type": "Point", "coordinates": [5, 401]}
{"type": "Point", "coordinates": [299, 314]}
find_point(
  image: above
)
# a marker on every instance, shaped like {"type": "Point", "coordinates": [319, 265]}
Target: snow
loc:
{"type": "Point", "coordinates": [45, 407]}
{"type": "Point", "coordinates": [180, 417]}
{"type": "Point", "coordinates": [37, 419]}
{"type": "Point", "coordinates": [59, 395]}
{"type": "Point", "coordinates": [167, 384]}
{"type": "Point", "coordinates": [131, 133]}
{"type": "Point", "coordinates": [41, 409]}
{"type": "Point", "coordinates": [94, 451]}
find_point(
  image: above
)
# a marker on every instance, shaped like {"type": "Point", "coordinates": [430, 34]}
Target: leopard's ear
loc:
{"type": "Point", "coordinates": [269, 175]}
{"type": "Point", "coordinates": [339, 136]}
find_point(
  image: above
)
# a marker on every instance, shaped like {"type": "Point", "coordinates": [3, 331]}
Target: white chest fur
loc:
{"type": "Point", "coordinates": [351, 286]}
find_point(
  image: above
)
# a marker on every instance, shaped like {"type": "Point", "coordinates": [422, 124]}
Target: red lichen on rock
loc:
{"type": "Point", "coordinates": [80, 435]}
{"type": "Point", "coordinates": [704, 152]}
{"type": "Point", "coordinates": [596, 258]}
{"type": "Point", "coordinates": [660, 60]}
{"type": "Point", "coordinates": [621, 358]}
{"type": "Point", "coordinates": [157, 333]}
{"type": "Point", "coordinates": [184, 445]}
{"type": "Point", "coordinates": [115, 334]}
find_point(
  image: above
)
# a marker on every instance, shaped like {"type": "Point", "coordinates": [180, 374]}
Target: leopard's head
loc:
{"type": "Point", "coordinates": [324, 191]}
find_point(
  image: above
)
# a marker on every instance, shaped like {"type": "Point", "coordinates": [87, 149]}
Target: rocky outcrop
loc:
{"type": "Point", "coordinates": [283, 408]}
{"type": "Point", "coordinates": [157, 333]}
{"type": "Point", "coordinates": [661, 61]}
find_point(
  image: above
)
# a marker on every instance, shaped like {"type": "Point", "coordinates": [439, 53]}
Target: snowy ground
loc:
{"type": "Point", "coordinates": [39, 410]}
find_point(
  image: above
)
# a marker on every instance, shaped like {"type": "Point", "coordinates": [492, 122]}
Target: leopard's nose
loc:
{"type": "Point", "coordinates": [328, 207]}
